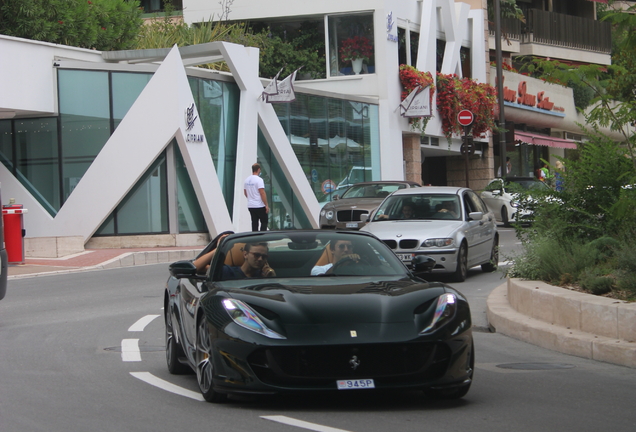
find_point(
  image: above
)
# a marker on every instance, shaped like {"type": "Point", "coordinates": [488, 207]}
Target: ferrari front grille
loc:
{"type": "Point", "coordinates": [315, 365]}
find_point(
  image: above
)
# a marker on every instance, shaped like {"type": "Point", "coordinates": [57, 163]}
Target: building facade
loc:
{"type": "Point", "coordinates": [141, 148]}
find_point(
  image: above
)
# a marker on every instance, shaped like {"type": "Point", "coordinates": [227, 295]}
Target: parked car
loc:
{"type": "Point", "coordinates": [367, 323]}
{"type": "Point", "coordinates": [450, 224]}
{"type": "Point", "coordinates": [502, 198]}
{"type": "Point", "coordinates": [351, 210]}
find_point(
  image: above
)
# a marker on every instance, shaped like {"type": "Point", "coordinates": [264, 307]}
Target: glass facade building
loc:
{"type": "Point", "coordinates": [335, 140]}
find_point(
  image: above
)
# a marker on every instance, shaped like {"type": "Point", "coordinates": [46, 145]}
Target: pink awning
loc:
{"type": "Point", "coordinates": [544, 140]}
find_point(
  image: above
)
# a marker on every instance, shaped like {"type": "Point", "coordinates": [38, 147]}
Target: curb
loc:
{"type": "Point", "coordinates": [128, 259]}
{"type": "Point", "coordinates": [582, 331]}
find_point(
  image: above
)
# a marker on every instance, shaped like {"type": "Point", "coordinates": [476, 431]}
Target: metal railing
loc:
{"type": "Point", "coordinates": [568, 31]}
{"type": "Point", "coordinates": [557, 29]}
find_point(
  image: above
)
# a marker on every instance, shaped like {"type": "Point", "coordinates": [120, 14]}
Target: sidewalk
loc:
{"type": "Point", "coordinates": [95, 259]}
{"type": "Point", "coordinates": [566, 321]}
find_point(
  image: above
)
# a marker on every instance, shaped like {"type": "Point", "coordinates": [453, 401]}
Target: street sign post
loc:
{"type": "Point", "coordinates": [466, 118]}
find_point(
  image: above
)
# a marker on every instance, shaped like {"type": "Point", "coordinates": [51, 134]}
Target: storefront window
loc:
{"type": "Point", "coordinates": [218, 103]}
{"type": "Point", "coordinates": [126, 88]}
{"type": "Point", "coordinates": [189, 215]}
{"type": "Point", "coordinates": [336, 141]}
{"type": "Point", "coordinates": [85, 121]}
{"type": "Point", "coordinates": [145, 209]}
{"type": "Point", "coordinates": [37, 162]}
{"type": "Point", "coordinates": [351, 46]}
{"type": "Point", "coordinates": [6, 144]}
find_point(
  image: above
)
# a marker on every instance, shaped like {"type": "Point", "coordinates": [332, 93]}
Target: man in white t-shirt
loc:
{"type": "Point", "coordinates": [254, 190]}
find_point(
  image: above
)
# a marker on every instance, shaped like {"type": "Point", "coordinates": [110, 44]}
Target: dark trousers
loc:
{"type": "Point", "coordinates": [258, 214]}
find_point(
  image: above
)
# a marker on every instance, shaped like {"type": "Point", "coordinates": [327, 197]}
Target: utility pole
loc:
{"type": "Point", "coordinates": [500, 95]}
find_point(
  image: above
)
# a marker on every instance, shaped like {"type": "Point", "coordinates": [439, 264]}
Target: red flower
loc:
{"type": "Point", "coordinates": [455, 94]}
{"type": "Point", "coordinates": [61, 22]}
{"type": "Point", "coordinates": [356, 47]}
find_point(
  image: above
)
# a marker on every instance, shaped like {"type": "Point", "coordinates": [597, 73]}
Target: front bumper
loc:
{"type": "Point", "coordinates": [242, 367]}
{"type": "Point", "coordinates": [445, 259]}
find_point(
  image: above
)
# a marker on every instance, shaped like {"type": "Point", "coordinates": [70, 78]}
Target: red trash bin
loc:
{"type": "Point", "coordinates": [14, 232]}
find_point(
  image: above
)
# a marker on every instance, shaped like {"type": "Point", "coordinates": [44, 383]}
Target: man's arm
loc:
{"type": "Point", "coordinates": [264, 198]}
{"type": "Point", "coordinates": [245, 192]}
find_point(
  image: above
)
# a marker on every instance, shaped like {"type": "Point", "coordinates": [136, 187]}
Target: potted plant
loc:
{"type": "Point", "coordinates": [356, 50]}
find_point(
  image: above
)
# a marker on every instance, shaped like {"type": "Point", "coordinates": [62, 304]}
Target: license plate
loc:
{"type": "Point", "coordinates": [405, 257]}
{"type": "Point", "coordinates": [355, 384]}
{"type": "Point", "coordinates": [352, 225]}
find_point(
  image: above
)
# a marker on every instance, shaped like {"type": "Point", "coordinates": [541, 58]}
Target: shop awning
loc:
{"type": "Point", "coordinates": [544, 140]}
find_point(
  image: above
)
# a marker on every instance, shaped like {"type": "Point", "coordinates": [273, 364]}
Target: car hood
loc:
{"type": "Point", "coordinates": [412, 228]}
{"type": "Point", "coordinates": [369, 302]}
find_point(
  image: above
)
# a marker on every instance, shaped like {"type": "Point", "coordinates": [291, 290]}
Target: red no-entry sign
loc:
{"type": "Point", "coordinates": [465, 117]}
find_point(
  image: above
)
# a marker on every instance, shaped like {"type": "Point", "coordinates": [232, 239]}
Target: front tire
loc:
{"type": "Point", "coordinates": [462, 264]}
{"type": "Point", "coordinates": [204, 366]}
{"type": "Point", "coordinates": [173, 349]}
{"type": "Point", "coordinates": [492, 265]}
{"type": "Point", "coordinates": [504, 217]}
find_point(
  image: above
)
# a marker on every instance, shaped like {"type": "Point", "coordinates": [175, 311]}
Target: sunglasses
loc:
{"type": "Point", "coordinates": [343, 246]}
{"type": "Point", "coordinates": [260, 255]}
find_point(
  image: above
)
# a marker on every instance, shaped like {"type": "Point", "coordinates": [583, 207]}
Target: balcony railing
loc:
{"type": "Point", "coordinates": [569, 31]}
{"type": "Point", "coordinates": [557, 29]}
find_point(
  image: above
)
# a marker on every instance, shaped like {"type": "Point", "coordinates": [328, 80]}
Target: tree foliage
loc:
{"type": "Point", "coordinates": [97, 24]}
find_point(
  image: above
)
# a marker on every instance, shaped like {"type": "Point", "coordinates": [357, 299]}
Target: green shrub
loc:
{"type": "Point", "coordinates": [597, 285]}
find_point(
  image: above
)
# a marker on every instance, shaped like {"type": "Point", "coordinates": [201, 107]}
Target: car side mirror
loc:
{"type": "Point", "coordinates": [422, 264]}
{"type": "Point", "coordinates": [183, 269]}
{"type": "Point", "coordinates": [335, 197]}
{"type": "Point", "coordinates": [475, 215]}
{"type": "Point", "coordinates": [364, 217]}
{"type": "Point", "coordinates": [497, 192]}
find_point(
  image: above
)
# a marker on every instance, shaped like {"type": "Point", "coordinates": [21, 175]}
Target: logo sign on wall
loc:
{"type": "Point", "coordinates": [190, 119]}
{"type": "Point", "coordinates": [391, 30]}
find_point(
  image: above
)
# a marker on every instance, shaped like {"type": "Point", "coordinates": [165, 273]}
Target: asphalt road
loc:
{"type": "Point", "coordinates": [69, 362]}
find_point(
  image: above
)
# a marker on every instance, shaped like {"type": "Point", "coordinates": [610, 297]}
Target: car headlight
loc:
{"type": "Point", "coordinates": [444, 311]}
{"type": "Point", "coordinates": [329, 214]}
{"type": "Point", "coordinates": [244, 316]}
{"type": "Point", "coordinates": [514, 204]}
{"type": "Point", "coordinates": [322, 213]}
{"type": "Point", "coordinates": [438, 242]}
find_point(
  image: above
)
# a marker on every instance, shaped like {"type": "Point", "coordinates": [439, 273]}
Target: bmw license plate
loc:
{"type": "Point", "coordinates": [352, 224]}
{"type": "Point", "coordinates": [405, 257]}
{"type": "Point", "coordinates": [356, 384]}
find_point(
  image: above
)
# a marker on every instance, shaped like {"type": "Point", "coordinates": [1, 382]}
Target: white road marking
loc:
{"type": "Point", "coordinates": [130, 350]}
{"type": "Point", "coordinates": [149, 378]}
{"type": "Point", "coordinates": [302, 424]}
{"type": "Point", "coordinates": [141, 324]}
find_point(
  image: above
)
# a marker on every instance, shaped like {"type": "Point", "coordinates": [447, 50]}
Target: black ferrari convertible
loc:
{"type": "Point", "coordinates": [293, 311]}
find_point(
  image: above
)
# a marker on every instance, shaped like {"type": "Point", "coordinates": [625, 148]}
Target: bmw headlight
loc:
{"type": "Point", "coordinates": [444, 311]}
{"type": "Point", "coordinates": [438, 242]}
{"type": "Point", "coordinates": [244, 316]}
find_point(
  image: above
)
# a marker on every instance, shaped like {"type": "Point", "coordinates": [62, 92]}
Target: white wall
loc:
{"type": "Point", "coordinates": [28, 75]}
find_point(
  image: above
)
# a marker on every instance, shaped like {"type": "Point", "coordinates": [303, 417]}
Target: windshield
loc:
{"type": "Point", "coordinates": [376, 190]}
{"type": "Point", "coordinates": [304, 254]}
{"type": "Point", "coordinates": [419, 207]}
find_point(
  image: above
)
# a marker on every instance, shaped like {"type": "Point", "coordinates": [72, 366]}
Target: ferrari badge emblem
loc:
{"type": "Point", "coordinates": [354, 362]}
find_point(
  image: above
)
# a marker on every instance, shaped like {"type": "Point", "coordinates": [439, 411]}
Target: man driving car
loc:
{"type": "Point", "coordinates": [341, 250]}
